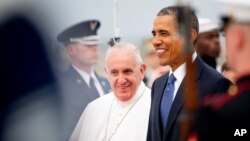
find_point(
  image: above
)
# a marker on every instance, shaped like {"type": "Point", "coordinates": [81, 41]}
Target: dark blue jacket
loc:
{"type": "Point", "coordinates": [209, 81]}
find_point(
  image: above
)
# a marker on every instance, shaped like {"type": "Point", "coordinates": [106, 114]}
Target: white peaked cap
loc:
{"type": "Point", "coordinates": [238, 9]}
{"type": "Point", "coordinates": [206, 25]}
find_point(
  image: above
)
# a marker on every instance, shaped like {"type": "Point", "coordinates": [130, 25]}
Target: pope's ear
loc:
{"type": "Point", "coordinates": [143, 68]}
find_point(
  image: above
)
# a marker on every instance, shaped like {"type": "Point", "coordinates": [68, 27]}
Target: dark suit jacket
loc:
{"type": "Point", "coordinates": [76, 95]}
{"type": "Point", "coordinates": [209, 81]}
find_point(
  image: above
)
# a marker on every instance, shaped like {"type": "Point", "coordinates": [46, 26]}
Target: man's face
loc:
{"type": "Point", "coordinates": [124, 73]}
{"type": "Point", "coordinates": [167, 41]}
{"type": "Point", "coordinates": [208, 44]}
{"type": "Point", "coordinates": [84, 55]}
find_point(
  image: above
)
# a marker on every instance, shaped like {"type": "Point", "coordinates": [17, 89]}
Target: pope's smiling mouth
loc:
{"type": "Point", "coordinates": [124, 88]}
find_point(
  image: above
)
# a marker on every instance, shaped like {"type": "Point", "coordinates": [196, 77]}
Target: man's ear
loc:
{"type": "Point", "coordinates": [70, 49]}
{"type": "Point", "coordinates": [194, 35]}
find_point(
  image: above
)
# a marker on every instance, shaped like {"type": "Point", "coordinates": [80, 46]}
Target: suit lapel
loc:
{"type": "Point", "coordinates": [160, 91]}
{"type": "Point", "coordinates": [199, 67]}
{"type": "Point", "coordinates": [157, 92]}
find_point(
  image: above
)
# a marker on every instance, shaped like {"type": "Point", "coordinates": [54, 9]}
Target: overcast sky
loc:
{"type": "Point", "coordinates": [136, 16]}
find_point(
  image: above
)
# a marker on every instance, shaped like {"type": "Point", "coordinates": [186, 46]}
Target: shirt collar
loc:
{"type": "Point", "coordinates": [84, 75]}
{"type": "Point", "coordinates": [194, 56]}
{"type": "Point", "coordinates": [180, 72]}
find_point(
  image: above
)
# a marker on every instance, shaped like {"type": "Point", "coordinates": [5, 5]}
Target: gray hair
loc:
{"type": "Point", "coordinates": [125, 45]}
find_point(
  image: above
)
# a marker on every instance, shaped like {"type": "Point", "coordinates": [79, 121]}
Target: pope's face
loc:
{"type": "Point", "coordinates": [124, 73]}
{"type": "Point", "coordinates": [167, 41]}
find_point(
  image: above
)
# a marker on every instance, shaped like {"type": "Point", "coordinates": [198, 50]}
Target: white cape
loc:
{"type": "Point", "coordinates": [92, 125]}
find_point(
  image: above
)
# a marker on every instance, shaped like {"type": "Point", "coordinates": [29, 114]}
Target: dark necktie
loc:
{"type": "Point", "coordinates": [93, 90]}
{"type": "Point", "coordinates": [167, 100]}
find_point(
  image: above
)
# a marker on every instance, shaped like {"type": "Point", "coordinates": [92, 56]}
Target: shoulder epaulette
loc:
{"type": "Point", "coordinates": [219, 100]}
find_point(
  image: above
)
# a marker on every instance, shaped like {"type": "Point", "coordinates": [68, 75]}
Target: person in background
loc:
{"type": "Point", "coordinates": [154, 69]}
{"type": "Point", "coordinates": [157, 73]}
{"type": "Point", "coordinates": [226, 116]}
{"type": "Point", "coordinates": [80, 84]}
{"type": "Point", "coordinates": [168, 90]}
{"type": "Point", "coordinates": [123, 114]}
{"type": "Point", "coordinates": [207, 44]}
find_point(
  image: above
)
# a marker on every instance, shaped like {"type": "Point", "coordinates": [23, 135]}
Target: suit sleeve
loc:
{"type": "Point", "coordinates": [221, 86]}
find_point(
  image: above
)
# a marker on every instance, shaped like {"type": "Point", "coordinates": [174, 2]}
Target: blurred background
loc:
{"type": "Point", "coordinates": [136, 18]}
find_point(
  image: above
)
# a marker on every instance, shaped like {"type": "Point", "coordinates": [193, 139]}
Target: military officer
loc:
{"type": "Point", "coordinates": [80, 83]}
{"type": "Point", "coordinates": [226, 116]}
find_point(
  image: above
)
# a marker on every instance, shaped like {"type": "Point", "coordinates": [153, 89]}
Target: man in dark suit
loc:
{"type": "Point", "coordinates": [164, 116]}
{"type": "Point", "coordinates": [80, 83]}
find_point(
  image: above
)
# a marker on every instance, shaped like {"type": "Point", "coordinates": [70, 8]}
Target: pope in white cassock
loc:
{"type": "Point", "coordinates": [123, 114]}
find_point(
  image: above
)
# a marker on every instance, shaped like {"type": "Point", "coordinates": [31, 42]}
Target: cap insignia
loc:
{"type": "Point", "coordinates": [93, 25]}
